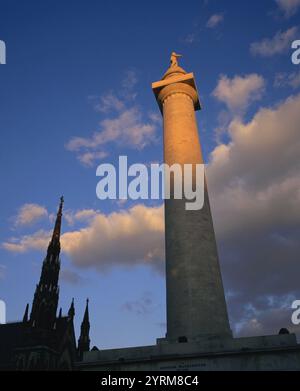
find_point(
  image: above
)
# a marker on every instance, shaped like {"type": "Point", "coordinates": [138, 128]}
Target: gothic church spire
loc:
{"type": "Point", "coordinates": [44, 307]}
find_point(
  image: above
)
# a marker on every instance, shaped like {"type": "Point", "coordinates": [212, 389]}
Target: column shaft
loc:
{"type": "Point", "coordinates": [195, 297]}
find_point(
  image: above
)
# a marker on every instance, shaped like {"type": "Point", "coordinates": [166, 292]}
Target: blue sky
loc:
{"type": "Point", "coordinates": [78, 68]}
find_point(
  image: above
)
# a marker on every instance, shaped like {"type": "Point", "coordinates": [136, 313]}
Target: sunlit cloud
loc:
{"type": "Point", "coordinates": [288, 7]}
{"type": "Point", "coordinates": [214, 21]}
{"type": "Point", "coordinates": [280, 43]}
{"type": "Point", "coordinates": [240, 91]}
{"type": "Point", "coordinates": [29, 214]}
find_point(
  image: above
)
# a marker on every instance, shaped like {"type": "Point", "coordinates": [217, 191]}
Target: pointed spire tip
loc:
{"type": "Point", "coordinates": [25, 317]}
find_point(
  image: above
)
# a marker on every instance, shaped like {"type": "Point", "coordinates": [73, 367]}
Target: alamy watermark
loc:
{"type": "Point", "coordinates": [296, 313]}
{"type": "Point", "coordinates": [2, 52]}
{"type": "Point", "coordinates": [296, 54]}
{"type": "Point", "coordinates": [180, 182]}
{"type": "Point", "coordinates": [2, 312]}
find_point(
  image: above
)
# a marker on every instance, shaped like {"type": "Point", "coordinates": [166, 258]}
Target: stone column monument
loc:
{"type": "Point", "coordinates": [196, 304]}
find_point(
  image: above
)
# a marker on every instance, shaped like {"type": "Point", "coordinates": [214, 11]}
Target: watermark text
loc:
{"type": "Point", "coordinates": [2, 312]}
{"type": "Point", "coordinates": [138, 182]}
{"type": "Point", "coordinates": [296, 313]}
{"type": "Point", "coordinates": [2, 52]}
{"type": "Point", "coordinates": [296, 54]}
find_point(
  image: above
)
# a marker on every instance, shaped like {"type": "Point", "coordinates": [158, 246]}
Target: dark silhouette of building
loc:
{"type": "Point", "coordinates": [84, 339]}
{"type": "Point", "coordinates": [43, 340]}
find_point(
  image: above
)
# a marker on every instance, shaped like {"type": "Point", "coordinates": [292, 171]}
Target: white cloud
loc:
{"type": "Point", "coordinates": [30, 213]}
{"type": "Point", "coordinates": [138, 233]}
{"type": "Point", "coordinates": [88, 158]}
{"type": "Point", "coordinates": [127, 129]}
{"type": "Point", "coordinates": [37, 241]}
{"type": "Point", "coordinates": [83, 215]}
{"type": "Point", "coordinates": [280, 43]}
{"type": "Point", "coordinates": [122, 238]}
{"type": "Point", "coordinates": [288, 7]}
{"type": "Point", "coordinates": [254, 186]}
{"type": "Point", "coordinates": [109, 102]}
{"type": "Point", "coordinates": [255, 177]}
{"type": "Point", "coordinates": [116, 102]}
{"type": "Point", "coordinates": [130, 80]}
{"type": "Point", "coordinates": [287, 80]}
{"type": "Point", "coordinates": [237, 93]}
{"type": "Point", "coordinates": [215, 20]}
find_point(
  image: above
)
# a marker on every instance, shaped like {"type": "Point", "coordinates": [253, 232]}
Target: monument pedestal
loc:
{"type": "Point", "coordinates": [268, 353]}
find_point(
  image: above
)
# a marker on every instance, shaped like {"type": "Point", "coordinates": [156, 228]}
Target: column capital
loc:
{"type": "Point", "coordinates": [184, 84]}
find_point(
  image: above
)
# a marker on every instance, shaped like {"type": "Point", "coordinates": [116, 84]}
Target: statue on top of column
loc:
{"type": "Point", "coordinates": [174, 59]}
